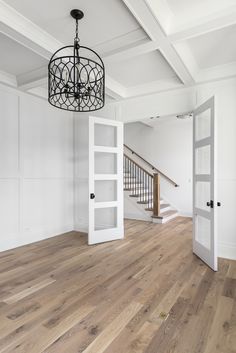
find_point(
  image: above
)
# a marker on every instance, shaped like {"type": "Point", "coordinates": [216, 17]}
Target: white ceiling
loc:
{"type": "Point", "coordinates": [141, 69]}
{"type": "Point", "coordinates": [104, 19]}
{"type": "Point", "coordinates": [214, 48]}
{"type": "Point", "coordinates": [197, 8]}
{"type": "Point", "coordinates": [147, 45]}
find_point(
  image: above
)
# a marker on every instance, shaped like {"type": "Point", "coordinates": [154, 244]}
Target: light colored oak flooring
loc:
{"type": "Point", "coordinates": [145, 294]}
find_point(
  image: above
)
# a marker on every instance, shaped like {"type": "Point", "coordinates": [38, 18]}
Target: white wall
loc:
{"type": "Point", "coordinates": [168, 146]}
{"type": "Point", "coordinates": [36, 169]}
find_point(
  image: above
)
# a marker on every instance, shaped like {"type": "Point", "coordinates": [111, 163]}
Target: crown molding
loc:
{"type": "Point", "coordinates": [8, 79]}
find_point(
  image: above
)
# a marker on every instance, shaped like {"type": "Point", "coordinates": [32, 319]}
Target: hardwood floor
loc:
{"type": "Point", "coordinates": [146, 294]}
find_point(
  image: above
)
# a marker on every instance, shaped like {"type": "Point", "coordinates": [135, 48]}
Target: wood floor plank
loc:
{"type": "Point", "coordinates": [218, 335]}
{"type": "Point", "coordinates": [29, 343]}
{"type": "Point", "coordinates": [145, 294]}
{"type": "Point", "coordinates": [112, 331]}
{"type": "Point", "coordinates": [32, 289]}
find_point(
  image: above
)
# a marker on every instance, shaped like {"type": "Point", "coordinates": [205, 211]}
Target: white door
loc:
{"type": "Point", "coordinates": [106, 218]}
{"type": "Point", "coordinates": [204, 185]}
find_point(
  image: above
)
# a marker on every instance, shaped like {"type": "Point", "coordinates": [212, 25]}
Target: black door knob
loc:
{"type": "Point", "coordinates": [218, 204]}
{"type": "Point", "coordinates": [210, 204]}
{"type": "Point", "coordinates": [92, 196]}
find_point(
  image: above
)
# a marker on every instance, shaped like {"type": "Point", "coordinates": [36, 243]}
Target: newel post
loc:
{"type": "Point", "coordinates": [156, 195]}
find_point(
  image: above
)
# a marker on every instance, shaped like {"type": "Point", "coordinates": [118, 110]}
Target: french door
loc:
{"type": "Point", "coordinates": [105, 180]}
{"type": "Point", "coordinates": [204, 184]}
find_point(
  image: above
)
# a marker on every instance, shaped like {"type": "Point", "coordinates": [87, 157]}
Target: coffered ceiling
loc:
{"type": "Point", "coordinates": [147, 45]}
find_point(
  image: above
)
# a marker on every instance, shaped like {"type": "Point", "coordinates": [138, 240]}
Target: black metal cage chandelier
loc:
{"type": "Point", "coordinates": [76, 76]}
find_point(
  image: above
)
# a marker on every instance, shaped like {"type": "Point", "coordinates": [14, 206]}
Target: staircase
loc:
{"type": "Point", "coordinates": [142, 185]}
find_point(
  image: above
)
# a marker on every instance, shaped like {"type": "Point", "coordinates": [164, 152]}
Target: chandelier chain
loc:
{"type": "Point", "coordinates": [77, 32]}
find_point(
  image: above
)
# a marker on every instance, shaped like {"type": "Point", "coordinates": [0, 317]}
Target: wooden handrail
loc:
{"type": "Point", "coordinates": [152, 166]}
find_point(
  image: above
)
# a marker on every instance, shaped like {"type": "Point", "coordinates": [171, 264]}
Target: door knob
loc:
{"type": "Point", "coordinates": [210, 204]}
{"type": "Point", "coordinates": [92, 196]}
{"type": "Point", "coordinates": [218, 204]}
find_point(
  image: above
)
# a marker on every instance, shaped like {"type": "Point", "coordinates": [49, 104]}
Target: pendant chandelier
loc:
{"type": "Point", "coordinates": [76, 76]}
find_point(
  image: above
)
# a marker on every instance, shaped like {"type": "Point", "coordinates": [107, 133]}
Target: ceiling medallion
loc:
{"type": "Point", "coordinates": [76, 76]}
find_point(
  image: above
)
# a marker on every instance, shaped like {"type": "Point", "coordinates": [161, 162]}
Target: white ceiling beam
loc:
{"type": "Point", "coordinates": [203, 25]}
{"type": "Point", "coordinates": [148, 19]}
{"type": "Point", "coordinates": [25, 32]}
{"type": "Point", "coordinates": [217, 73]}
{"type": "Point", "coordinates": [125, 41]}
{"type": "Point", "coordinates": [132, 52]}
{"type": "Point", "coordinates": [186, 54]}
{"type": "Point", "coordinates": [8, 79]}
{"type": "Point", "coordinates": [114, 89]}
{"type": "Point", "coordinates": [165, 15]}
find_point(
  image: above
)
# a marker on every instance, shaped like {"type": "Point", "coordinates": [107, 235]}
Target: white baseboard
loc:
{"type": "Point", "coordinates": [138, 217]}
{"type": "Point", "coordinates": [185, 214]}
{"type": "Point", "coordinates": [227, 250]}
{"type": "Point", "coordinates": [31, 237]}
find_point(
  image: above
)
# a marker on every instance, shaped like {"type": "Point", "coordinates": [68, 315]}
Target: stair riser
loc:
{"type": "Point", "coordinates": [167, 219]}
{"type": "Point", "coordinates": [162, 210]}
